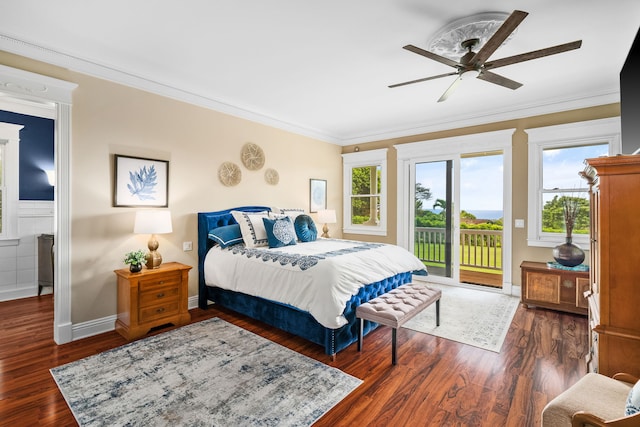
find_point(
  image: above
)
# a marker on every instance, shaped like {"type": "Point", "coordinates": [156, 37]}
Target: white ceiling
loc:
{"type": "Point", "coordinates": [321, 68]}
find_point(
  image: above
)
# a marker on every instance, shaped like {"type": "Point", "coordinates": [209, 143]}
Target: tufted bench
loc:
{"type": "Point", "coordinates": [396, 307]}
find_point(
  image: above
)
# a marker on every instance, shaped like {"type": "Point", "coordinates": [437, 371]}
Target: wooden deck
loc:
{"type": "Point", "coordinates": [478, 278]}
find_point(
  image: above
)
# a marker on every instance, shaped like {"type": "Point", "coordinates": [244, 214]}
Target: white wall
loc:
{"type": "Point", "coordinates": [19, 263]}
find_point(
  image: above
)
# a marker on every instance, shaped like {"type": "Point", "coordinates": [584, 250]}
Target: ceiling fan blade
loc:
{"type": "Point", "coordinates": [490, 77]}
{"type": "Point", "coordinates": [424, 79]}
{"type": "Point", "coordinates": [450, 89]}
{"type": "Point", "coordinates": [432, 55]}
{"type": "Point", "coordinates": [496, 40]}
{"type": "Point", "coordinates": [533, 54]}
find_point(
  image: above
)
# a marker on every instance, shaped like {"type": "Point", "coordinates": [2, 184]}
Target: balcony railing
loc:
{"type": "Point", "coordinates": [478, 248]}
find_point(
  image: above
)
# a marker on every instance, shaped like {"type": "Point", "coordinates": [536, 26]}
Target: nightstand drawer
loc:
{"type": "Point", "coordinates": [160, 294]}
{"type": "Point", "coordinates": [159, 311]}
{"type": "Point", "coordinates": [164, 280]}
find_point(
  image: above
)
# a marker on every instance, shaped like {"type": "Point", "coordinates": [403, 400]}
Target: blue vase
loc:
{"type": "Point", "coordinates": [568, 253]}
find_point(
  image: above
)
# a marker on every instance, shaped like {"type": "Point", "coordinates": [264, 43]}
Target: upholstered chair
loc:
{"type": "Point", "coordinates": [596, 400]}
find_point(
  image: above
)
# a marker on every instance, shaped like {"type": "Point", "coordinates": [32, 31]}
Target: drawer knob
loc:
{"type": "Point", "coordinates": [161, 282]}
{"type": "Point", "coordinates": [160, 295]}
{"type": "Point", "coordinates": [160, 310]}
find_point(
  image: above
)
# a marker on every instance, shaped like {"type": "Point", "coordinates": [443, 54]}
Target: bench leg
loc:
{"type": "Point", "coordinates": [360, 332]}
{"type": "Point", "coordinates": [438, 313]}
{"type": "Point", "coordinates": [393, 346]}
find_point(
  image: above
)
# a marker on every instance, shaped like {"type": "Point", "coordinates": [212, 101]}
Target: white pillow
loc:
{"type": "Point", "coordinates": [290, 212]}
{"type": "Point", "coordinates": [252, 228]}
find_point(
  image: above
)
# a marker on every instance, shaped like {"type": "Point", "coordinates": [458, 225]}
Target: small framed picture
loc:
{"type": "Point", "coordinates": [140, 182]}
{"type": "Point", "coordinates": [317, 195]}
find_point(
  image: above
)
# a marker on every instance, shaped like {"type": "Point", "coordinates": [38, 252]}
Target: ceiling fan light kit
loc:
{"type": "Point", "coordinates": [478, 30]}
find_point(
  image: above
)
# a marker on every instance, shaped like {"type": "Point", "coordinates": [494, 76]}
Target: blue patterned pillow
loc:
{"type": "Point", "coordinates": [226, 235]}
{"type": "Point", "coordinates": [305, 228]}
{"type": "Point", "coordinates": [633, 401]}
{"type": "Point", "coordinates": [280, 232]}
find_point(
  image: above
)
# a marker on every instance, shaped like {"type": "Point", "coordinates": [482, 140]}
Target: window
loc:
{"type": "Point", "coordinates": [365, 183]}
{"type": "Point", "coordinates": [556, 157]}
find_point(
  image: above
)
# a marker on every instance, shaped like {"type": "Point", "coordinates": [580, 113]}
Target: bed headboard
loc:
{"type": "Point", "coordinates": [210, 220]}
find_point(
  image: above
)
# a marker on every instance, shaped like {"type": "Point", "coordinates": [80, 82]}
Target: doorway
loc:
{"type": "Point", "coordinates": [34, 88]}
{"type": "Point", "coordinates": [455, 203]}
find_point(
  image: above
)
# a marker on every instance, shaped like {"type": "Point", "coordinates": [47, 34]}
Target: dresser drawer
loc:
{"type": "Point", "coordinates": [154, 312]}
{"type": "Point", "coordinates": [158, 295]}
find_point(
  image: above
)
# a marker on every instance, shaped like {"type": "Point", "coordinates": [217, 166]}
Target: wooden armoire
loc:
{"type": "Point", "coordinates": [614, 291]}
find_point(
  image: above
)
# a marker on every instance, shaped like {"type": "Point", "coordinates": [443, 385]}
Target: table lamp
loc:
{"type": "Point", "coordinates": [153, 222]}
{"type": "Point", "coordinates": [326, 216]}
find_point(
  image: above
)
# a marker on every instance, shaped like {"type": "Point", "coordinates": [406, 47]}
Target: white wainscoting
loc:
{"type": "Point", "coordinates": [19, 258]}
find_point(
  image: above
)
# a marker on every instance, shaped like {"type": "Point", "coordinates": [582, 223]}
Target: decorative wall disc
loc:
{"type": "Point", "coordinates": [271, 176]}
{"type": "Point", "coordinates": [252, 156]}
{"type": "Point", "coordinates": [229, 174]}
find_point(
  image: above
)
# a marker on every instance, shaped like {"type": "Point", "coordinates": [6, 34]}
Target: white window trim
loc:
{"type": "Point", "coordinates": [599, 131]}
{"type": "Point", "coordinates": [10, 139]}
{"type": "Point", "coordinates": [359, 159]}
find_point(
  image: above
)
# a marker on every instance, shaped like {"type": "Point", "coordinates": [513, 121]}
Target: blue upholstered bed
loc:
{"type": "Point", "coordinates": [277, 314]}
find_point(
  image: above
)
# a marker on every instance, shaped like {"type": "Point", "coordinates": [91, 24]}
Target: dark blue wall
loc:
{"type": "Point", "coordinates": [36, 154]}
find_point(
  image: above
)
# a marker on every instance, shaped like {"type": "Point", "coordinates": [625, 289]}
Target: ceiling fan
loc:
{"type": "Point", "coordinates": [474, 64]}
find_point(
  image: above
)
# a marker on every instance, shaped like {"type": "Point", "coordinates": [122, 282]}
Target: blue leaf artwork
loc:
{"type": "Point", "coordinates": [142, 183]}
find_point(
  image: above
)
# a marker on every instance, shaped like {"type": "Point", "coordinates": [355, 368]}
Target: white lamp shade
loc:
{"type": "Point", "coordinates": [153, 222]}
{"type": "Point", "coordinates": [327, 216]}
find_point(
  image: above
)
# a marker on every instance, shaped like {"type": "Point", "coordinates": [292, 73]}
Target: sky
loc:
{"type": "Point", "coordinates": [481, 177]}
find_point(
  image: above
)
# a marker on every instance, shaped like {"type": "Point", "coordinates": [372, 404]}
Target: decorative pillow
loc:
{"type": "Point", "coordinates": [290, 212]}
{"type": "Point", "coordinates": [280, 232]}
{"type": "Point", "coordinates": [633, 401]}
{"type": "Point", "coordinates": [226, 235]}
{"type": "Point", "coordinates": [305, 228]}
{"type": "Point", "coordinates": [252, 227]}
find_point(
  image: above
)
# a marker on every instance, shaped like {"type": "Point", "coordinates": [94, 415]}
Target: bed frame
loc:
{"type": "Point", "coordinates": [279, 315]}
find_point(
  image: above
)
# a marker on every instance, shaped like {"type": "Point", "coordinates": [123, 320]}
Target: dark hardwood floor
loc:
{"type": "Point", "coordinates": [436, 382]}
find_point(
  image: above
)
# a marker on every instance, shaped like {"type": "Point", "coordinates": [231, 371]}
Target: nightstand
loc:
{"type": "Point", "coordinates": [557, 289]}
{"type": "Point", "coordinates": [152, 298]}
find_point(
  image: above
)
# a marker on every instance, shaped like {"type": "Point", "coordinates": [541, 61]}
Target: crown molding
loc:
{"type": "Point", "coordinates": [513, 112]}
{"type": "Point", "coordinates": [50, 56]}
{"type": "Point", "coordinates": [53, 57]}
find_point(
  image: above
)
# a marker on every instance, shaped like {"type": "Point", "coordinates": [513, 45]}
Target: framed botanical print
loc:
{"type": "Point", "coordinates": [140, 182]}
{"type": "Point", "coordinates": [317, 195]}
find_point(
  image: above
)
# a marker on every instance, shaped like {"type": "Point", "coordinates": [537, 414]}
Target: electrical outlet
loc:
{"type": "Point", "coordinates": [519, 223]}
{"type": "Point", "coordinates": [187, 246]}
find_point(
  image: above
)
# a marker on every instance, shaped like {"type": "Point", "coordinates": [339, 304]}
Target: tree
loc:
{"type": "Point", "coordinates": [422, 195]}
{"type": "Point", "coordinates": [553, 215]}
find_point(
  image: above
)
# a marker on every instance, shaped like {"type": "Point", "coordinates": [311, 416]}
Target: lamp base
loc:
{"type": "Point", "coordinates": [325, 231]}
{"type": "Point", "coordinates": [154, 259]}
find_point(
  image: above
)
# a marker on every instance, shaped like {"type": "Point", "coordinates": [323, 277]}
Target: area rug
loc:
{"type": "Point", "coordinates": [469, 316]}
{"type": "Point", "coordinates": [210, 373]}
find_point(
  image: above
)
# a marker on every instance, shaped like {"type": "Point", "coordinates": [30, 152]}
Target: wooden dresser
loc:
{"type": "Point", "coordinates": [554, 288]}
{"type": "Point", "coordinates": [614, 293]}
{"type": "Point", "coordinates": [152, 298]}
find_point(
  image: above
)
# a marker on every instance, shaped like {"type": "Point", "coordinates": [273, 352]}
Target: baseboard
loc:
{"type": "Point", "coordinates": [26, 291]}
{"type": "Point", "coordinates": [107, 324]}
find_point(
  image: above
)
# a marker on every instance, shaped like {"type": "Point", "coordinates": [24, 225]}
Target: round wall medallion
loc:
{"type": "Point", "coordinates": [229, 174]}
{"type": "Point", "coordinates": [252, 156]}
{"type": "Point", "coordinates": [271, 176]}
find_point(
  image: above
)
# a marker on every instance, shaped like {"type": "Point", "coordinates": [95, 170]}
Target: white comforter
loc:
{"type": "Point", "coordinates": [318, 277]}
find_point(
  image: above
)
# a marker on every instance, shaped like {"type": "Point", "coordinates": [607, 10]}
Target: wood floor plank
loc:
{"type": "Point", "coordinates": [437, 382]}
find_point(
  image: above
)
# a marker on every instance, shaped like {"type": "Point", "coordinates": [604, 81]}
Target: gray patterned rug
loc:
{"type": "Point", "coordinates": [469, 316]}
{"type": "Point", "coordinates": [210, 373]}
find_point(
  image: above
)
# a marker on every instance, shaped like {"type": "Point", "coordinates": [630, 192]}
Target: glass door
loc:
{"type": "Point", "coordinates": [434, 217]}
{"type": "Point", "coordinates": [458, 216]}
